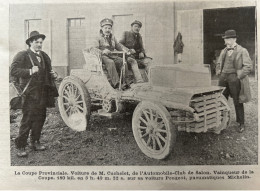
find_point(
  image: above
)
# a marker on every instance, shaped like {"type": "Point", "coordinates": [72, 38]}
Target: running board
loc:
{"type": "Point", "coordinates": [101, 112]}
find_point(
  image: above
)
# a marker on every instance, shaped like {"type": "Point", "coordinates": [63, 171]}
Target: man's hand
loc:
{"type": "Point", "coordinates": [35, 69]}
{"type": "Point", "coordinates": [132, 51]}
{"type": "Point", "coordinates": [141, 55]}
{"type": "Point", "coordinates": [128, 53]}
{"type": "Point", "coordinates": [217, 72]}
{"type": "Point", "coordinates": [54, 75]}
{"type": "Point", "coordinates": [106, 52]}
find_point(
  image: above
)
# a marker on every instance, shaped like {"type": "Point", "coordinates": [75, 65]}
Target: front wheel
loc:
{"type": "Point", "coordinates": [153, 130]}
{"type": "Point", "coordinates": [74, 103]}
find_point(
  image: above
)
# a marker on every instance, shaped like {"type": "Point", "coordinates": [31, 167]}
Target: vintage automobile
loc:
{"type": "Point", "coordinates": [176, 98]}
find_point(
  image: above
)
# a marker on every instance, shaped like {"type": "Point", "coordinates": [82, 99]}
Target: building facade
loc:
{"type": "Point", "coordinates": [69, 28]}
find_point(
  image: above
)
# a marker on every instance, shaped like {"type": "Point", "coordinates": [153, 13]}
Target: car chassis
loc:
{"type": "Point", "coordinates": [176, 98]}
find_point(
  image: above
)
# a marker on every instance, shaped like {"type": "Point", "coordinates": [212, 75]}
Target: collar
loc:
{"type": "Point", "coordinates": [135, 34]}
{"type": "Point", "coordinates": [103, 35]}
{"type": "Point", "coordinates": [107, 36]}
{"type": "Point", "coordinates": [233, 46]}
{"type": "Point", "coordinates": [35, 51]}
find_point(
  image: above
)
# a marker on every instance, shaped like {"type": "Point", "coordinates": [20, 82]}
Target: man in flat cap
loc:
{"type": "Point", "coordinates": [233, 67]}
{"type": "Point", "coordinates": [107, 43]}
{"type": "Point", "coordinates": [133, 41]}
{"type": "Point", "coordinates": [32, 67]}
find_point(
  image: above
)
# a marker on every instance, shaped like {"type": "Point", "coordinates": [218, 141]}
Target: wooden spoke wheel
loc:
{"type": "Point", "coordinates": [74, 103]}
{"type": "Point", "coordinates": [225, 117]}
{"type": "Point", "coordinates": [153, 130]}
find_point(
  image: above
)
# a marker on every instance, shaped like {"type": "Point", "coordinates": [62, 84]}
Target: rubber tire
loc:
{"type": "Point", "coordinates": [84, 94]}
{"type": "Point", "coordinates": [229, 111]}
{"type": "Point", "coordinates": [171, 129]}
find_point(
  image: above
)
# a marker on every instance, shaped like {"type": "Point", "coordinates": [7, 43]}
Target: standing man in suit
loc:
{"type": "Point", "coordinates": [233, 67]}
{"type": "Point", "coordinates": [33, 67]}
{"type": "Point", "coordinates": [133, 41]}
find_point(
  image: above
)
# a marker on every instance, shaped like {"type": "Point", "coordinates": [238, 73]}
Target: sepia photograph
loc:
{"type": "Point", "coordinates": [127, 84]}
{"type": "Point", "coordinates": [133, 83]}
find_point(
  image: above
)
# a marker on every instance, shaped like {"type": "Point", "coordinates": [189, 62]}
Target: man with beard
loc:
{"type": "Point", "coordinates": [107, 43]}
{"type": "Point", "coordinates": [134, 42]}
{"type": "Point", "coordinates": [233, 67]}
{"type": "Point", "coordinates": [32, 67]}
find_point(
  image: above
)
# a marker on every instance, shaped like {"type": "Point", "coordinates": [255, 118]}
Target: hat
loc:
{"type": "Point", "coordinates": [34, 34]}
{"type": "Point", "coordinates": [230, 34]}
{"type": "Point", "coordinates": [137, 22]}
{"type": "Point", "coordinates": [106, 21]}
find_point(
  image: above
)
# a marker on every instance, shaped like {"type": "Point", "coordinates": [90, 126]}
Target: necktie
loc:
{"type": "Point", "coordinates": [230, 51]}
{"type": "Point", "coordinates": [109, 40]}
{"type": "Point", "coordinates": [38, 57]}
{"type": "Point", "coordinates": [136, 43]}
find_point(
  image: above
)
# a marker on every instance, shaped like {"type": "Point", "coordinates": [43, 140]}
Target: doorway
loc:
{"type": "Point", "coordinates": [77, 38]}
{"type": "Point", "coordinates": [121, 23]}
{"type": "Point", "coordinates": [217, 21]}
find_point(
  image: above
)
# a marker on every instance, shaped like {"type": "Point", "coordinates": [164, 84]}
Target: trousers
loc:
{"type": "Point", "coordinates": [113, 66]}
{"type": "Point", "coordinates": [134, 66]}
{"type": "Point", "coordinates": [233, 87]}
{"type": "Point", "coordinates": [32, 120]}
{"type": "Point", "coordinates": [145, 62]}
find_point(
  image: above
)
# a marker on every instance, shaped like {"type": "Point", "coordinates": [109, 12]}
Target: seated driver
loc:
{"type": "Point", "coordinates": [107, 43]}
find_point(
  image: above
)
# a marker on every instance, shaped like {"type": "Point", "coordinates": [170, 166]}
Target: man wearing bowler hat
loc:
{"type": "Point", "coordinates": [107, 43]}
{"type": "Point", "coordinates": [233, 67]}
{"type": "Point", "coordinates": [32, 68]}
{"type": "Point", "coordinates": [133, 41]}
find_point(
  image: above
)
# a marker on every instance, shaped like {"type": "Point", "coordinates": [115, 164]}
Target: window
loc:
{"type": "Point", "coordinates": [43, 26]}
{"type": "Point", "coordinates": [32, 25]}
{"type": "Point", "coordinates": [121, 23]}
{"type": "Point", "coordinates": [77, 22]}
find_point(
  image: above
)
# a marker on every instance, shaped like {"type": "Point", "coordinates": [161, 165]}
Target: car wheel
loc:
{"type": "Point", "coordinates": [74, 103]}
{"type": "Point", "coordinates": [153, 130]}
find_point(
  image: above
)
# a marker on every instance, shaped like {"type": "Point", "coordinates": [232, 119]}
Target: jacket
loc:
{"type": "Point", "coordinates": [178, 44]}
{"type": "Point", "coordinates": [134, 41]}
{"type": "Point", "coordinates": [42, 89]}
{"type": "Point", "coordinates": [102, 43]}
{"type": "Point", "coordinates": [243, 66]}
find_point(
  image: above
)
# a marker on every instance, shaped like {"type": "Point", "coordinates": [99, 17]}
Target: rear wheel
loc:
{"type": "Point", "coordinates": [153, 130]}
{"type": "Point", "coordinates": [74, 103]}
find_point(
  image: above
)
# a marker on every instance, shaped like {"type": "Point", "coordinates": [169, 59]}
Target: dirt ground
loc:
{"type": "Point", "coordinates": [111, 142]}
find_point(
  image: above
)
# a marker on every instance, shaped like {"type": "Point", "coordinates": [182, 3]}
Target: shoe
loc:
{"type": "Point", "coordinates": [40, 147]}
{"type": "Point", "coordinates": [21, 152]}
{"type": "Point", "coordinates": [241, 128]}
{"type": "Point", "coordinates": [129, 82]}
{"type": "Point", "coordinates": [116, 86]}
{"type": "Point", "coordinates": [37, 146]}
{"type": "Point", "coordinates": [125, 86]}
{"type": "Point", "coordinates": [139, 81]}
